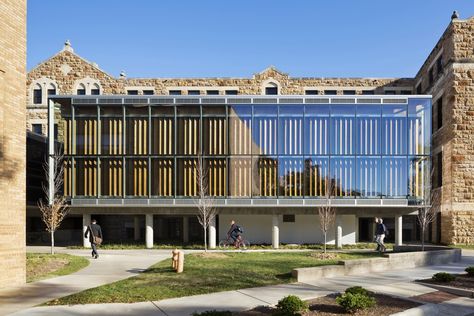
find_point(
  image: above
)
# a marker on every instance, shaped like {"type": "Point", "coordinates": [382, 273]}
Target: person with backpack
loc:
{"type": "Point", "coordinates": [235, 232]}
{"type": "Point", "coordinates": [380, 233]}
{"type": "Point", "coordinates": [94, 233]}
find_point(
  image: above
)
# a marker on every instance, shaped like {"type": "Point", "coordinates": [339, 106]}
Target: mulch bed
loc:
{"type": "Point", "coordinates": [327, 306]}
{"type": "Point", "coordinates": [463, 281]}
{"type": "Point", "coordinates": [435, 297]}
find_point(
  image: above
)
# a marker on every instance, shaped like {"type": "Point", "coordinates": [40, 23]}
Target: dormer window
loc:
{"type": "Point", "coordinates": [95, 89]}
{"type": "Point", "coordinates": [271, 89]}
{"type": "Point", "coordinates": [37, 94]}
{"type": "Point", "coordinates": [81, 90]}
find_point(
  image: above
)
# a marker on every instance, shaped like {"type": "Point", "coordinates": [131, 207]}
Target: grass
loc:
{"type": "Point", "coordinates": [128, 246]}
{"type": "Point", "coordinates": [463, 246]}
{"type": "Point", "coordinates": [41, 266]}
{"type": "Point", "coordinates": [205, 273]}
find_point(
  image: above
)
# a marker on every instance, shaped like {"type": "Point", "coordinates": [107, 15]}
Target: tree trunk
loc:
{"type": "Point", "coordinates": [52, 242]}
{"type": "Point", "coordinates": [325, 241]}
{"type": "Point", "coordinates": [205, 239]}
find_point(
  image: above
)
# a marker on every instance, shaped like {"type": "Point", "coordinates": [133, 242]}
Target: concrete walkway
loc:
{"type": "Point", "coordinates": [111, 266]}
{"type": "Point", "coordinates": [395, 283]}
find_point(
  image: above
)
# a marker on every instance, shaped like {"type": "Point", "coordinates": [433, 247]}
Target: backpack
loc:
{"type": "Point", "coordinates": [385, 230]}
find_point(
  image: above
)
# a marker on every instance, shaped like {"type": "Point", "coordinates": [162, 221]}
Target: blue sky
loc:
{"type": "Point", "coordinates": [337, 38]}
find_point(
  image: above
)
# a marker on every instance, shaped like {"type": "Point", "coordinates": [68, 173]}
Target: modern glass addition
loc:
{"type": "Point", "coordinates": [250, 150]}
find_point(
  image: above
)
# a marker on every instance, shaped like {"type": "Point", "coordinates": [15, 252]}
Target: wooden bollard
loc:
{"type": "Point", "coordinates": [174, 259]}
{"type": "Point", "coordinates": [180, 267]}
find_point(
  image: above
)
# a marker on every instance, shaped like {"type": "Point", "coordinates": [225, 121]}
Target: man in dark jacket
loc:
{"type": "Point", "coordinates": [380, 235]}
{"type": "Point", "coordinates": [92, 231]}
{"type": "Point", "coordinates": [234, 232]}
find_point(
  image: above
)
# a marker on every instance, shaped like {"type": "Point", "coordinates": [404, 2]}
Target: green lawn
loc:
{"type": "Point", "coordinates": [463, 246]}
{"type": "Point", "coordinates": [213, 272]}
{"type": "Point", "coordinates": [41, 266]}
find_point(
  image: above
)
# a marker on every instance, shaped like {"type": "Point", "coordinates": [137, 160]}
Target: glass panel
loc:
{"type": "Point", "coordinates": [394, 177]}
{"type": "Point", "coordinates": [290, 177]}
{"type": "Point", "coordinates": [342, 173]}
{"type": "Point", "coordinates": [214, 110]}
{"type": "Point", "coordinates": [115, 111]}
{"type": "Point", "coordinates": [137, 177]}
{"type": "Point", "coordinates": [264, 177]}
{"type": "Point", "coordinates": [137, 135]}
{"type": "Point", "coordinates": [189, 137]}
{"type": "Point", "coordinates": [316, 175]}
{"type": "Point", "coordinates": [86, 136]}
{"type": "Point", "coordinates": [316, 127]}
{"type": "Point", "coordinates": [394, 130]}
{"type": "Point", "coordinates": [240, 138]}
{"type": "Point", "coordinates": [264, 131]}
{"type": "Point", "coordinates": [162, 111]}
{"type": "Point", "coordinates": [240, 180]}
{"type": "Point", "coordinates": [162, 135]}
{"type": "Point", "coordinates": [112, 135]}
{"type": "Point", "coordinates": [342, 135]}
{"type": "Point", "coordinates": [240, 110]}
{"type": "Point", "coordinates": [216, 170]}
{"type": "Point", "coordinates": [89, 111]}
{"type": "Point", "coordinates": [419, 127]}
{"type": "Point", "coordinates": [419, 177]}
{"type": "Point", "coordinates": [368, 177]}
{"type": "Point", "coordinates": [67, 183]}
{"type": "Point", "coordinates": [111, 177]}
{"type": "Point", "coordinates": [85, 177]}
{"type": "Point", "coordinates": [187, 184]}
{"type": "Point", "coordinates": [215, 135]}
{"type": "Point", "coordinates": [162, 177]}
{"type": "Point", "coordinates": [291, 130]}
{"type": "Point", "coordinates": [188, 110]}
{"type": "Point", "coordinates": [368, 129]}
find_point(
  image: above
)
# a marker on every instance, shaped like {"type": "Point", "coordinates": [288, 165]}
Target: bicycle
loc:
{"type": "Point", "coordinates": [228, 242]}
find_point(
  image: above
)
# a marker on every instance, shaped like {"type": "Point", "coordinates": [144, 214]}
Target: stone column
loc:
{"type": "Point", "coordinates": [185, 229]}
{"type": "Point", "coordinates": [338, 232]}
{"type": "Point", "coordinates": [398, 230]}
{"type": "Point", "coordinates": [136, 227]}
{"type": "Point", "coordinates": [86, 221]}
{"type": "Point", "coordinates": [275, 232]}
{"type": "Point", "coordinates": [149, 230]}
{"type": "Point", "coordinates": [212, 234]}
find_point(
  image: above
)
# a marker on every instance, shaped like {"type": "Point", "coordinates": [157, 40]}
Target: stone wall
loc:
{"type": "Point", "coordinates": [12, 141]}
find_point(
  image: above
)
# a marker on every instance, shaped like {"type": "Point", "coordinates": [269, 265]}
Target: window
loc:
{"type": "Point", "coordinates": [288, 218]}
{"type": "Point", "coordinates": [37, 128]}
{"type": "Point", "coordinates": [148, 92]}
{"type": "Point", "coordinates": [212, 92]}
{"type": "Point", "coordinates": [132, 92]}
{"type": "Point", "coordinates": [271, 90]}
{"type": "Point", "coordinates": [439, 170]}
{"type": "Point", "coordinates": [95, 91]}
{"type": "Point", "coordinates": [37, 96]}
{"type": "Point", "coordinates": [330, 92]}
{"type": "Point", "coordinates": [194, 92]}
{"type": "Point", "coordinates": [439, 64]}
{"type": "Point", "coordinates": [406, 92]}
{"type": "Point", "coordinates": [418, 88]}
{"type": "Point", "coordinates": [175, 92]}
{"type": "Point", "coordinates": [439, 112]}
{"type": "Point", "coordinates": [390, 92]}
{"type": "Point", "coordinates": [51, 91]}
{"type": "Point", "coordinates": [231, 92]}
{"type": "Point", "coordinates": [311, 92]}
{"type": "Point", "coordinates": [81, 91]}
{"type": "Point", "coordinates": [56, 131]}
{"type": "Point", "coordinates": [431, 75]}
{"type": "Point", "coordinates": [349, 92]}
{"type": "Point", "coordinates": [368, 92]}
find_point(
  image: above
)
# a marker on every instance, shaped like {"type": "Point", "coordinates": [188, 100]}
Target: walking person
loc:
{"type": "Point", "coordinates": [94, 233]}
{"type": "Point", "coordinates": [380, 233]}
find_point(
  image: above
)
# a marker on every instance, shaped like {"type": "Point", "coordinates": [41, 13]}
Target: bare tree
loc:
{"type": "Point", "coordinates": [204, 202]}
{"type": "Point", "coordinates": [327, 212]}
{"type": "Point", "coordinates": [54, 207]}
{"type": "Point", "coordinates": [430, 207]}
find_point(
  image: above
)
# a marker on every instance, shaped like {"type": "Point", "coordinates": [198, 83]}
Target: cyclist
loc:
{"type": "Point", "coordinates": [235, 232]}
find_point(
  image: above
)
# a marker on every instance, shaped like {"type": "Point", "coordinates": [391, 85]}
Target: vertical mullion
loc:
{"type": "Point", "coordinates": [175, 137]}
{"type": "Point", "coordinates": [124, 150]}
{"type": "Point", "coordinates": [149, 152]}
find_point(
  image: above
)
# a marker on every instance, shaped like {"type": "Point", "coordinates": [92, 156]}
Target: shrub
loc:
{"type": "Point", "coordinates": [213, 313]}
{"type": "Point", "coordinates": [355, 302]}
{"type": "Point", "coordinates": [443, 277]}
{"type": "Point", "coordinates": [358, 290]}
{"type": "Point", "coordinates": [291, 304]}
{"type": "Point", "coordinates": [470, 271]}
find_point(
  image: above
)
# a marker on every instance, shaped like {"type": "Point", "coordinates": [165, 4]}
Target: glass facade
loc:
{"type": "Point", "coordinates": [250, 150]}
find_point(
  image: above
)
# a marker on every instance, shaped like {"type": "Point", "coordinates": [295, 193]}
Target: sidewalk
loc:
{"type": "Point", "coordinates": [395, 282]}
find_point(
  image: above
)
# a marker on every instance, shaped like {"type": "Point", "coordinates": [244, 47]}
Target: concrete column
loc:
{"type": "Point", "coordinates": [185, 229]}
{"type": "Point", "coordinates": [212, 234]}
{"type": "Point", "coordinates": [275, 232]}
{"type": "Point", "coordinates": [149, 230]}
{"type": "Point", "coordinates": [398, 230]}
{"type": "Point", "coordinates": [338, 232]}
{"type": "Point", "coordinates": [136, 227]}
{"type": "Point", "coordinates": [86, 221]}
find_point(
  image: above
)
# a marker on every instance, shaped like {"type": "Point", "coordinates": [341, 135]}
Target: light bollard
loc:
{"type": "Point", "coordinates": [174, 259]}
{"type": "Point", "coordinates": [180, 262]}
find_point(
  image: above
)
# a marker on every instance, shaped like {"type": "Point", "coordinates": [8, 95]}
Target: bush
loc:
{"type": "Point", "coordinates": [443, 277]}
{"type": "Point", "coordinates": [213, 313]}
{"type": "Point", "coordinates": [291, 305]}
{"type": "Point", "coordinates": [358, 290]}
{"type": "Point", "coordinates": [355, 302]}
{"type": "Point", "coordinates": [470, 271]}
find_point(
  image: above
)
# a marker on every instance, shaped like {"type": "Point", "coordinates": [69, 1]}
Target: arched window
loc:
{"type": "Point", "coordinates": [95, 89]}
{"type": "Point", "coordinates": [81, 89]}
{"type": "Point", "coordinates": [37, 94]}
{"type": "Point", "coordinates": [270, 87]}
{"type": "Point", "coordinates": [51, 89]}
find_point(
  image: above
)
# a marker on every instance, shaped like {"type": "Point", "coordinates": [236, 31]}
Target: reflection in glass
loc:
{"type": "Point", "coordinates": [394, 177]}
{"type": "Point", "coordinates": [290, 176]}
{"type": "Point", "coordinates": [394, 135]}
{"type": "Point", "coordinates": [316, 128]}
{"type": "Point", "coordinates": [342, 129]}
{"type": "Point", "coordinates": [368, 177]}
{"type": "Point", "coordinates": [291, 130]}
{"type": "Point", "coordinates": [419, 127]}
{"type": "Point", "coordinates": [266, 176]}
{"type": "Point", "coordinates": [342, 172]}
{"type": "Point", "coordinates": [316, 174]}
{"type": "Point", "coordinates": [368, 129]}
{"type": "Point", "coordinates": [418, 175]}
{"type": "Point", "coordinates": [264, 135]}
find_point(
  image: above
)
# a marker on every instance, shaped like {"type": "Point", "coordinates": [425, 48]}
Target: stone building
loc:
{"type": "Point", "coordinates": [446, 75]}
{"type": "Point", "coordinates": [12, 141]}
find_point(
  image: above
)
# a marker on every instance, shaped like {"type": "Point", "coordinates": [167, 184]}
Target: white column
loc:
{"type": "Point", "coordinates": [398, 230]}
{"type": "Point", "coordinates": [136, 227]}
{"type": "Point", "coordinates": [212, 234]}
{"type": "Point", "coordinates": [149, 230]}
{"type": "Point", "coordinates": [86, 221]}
{"type": "Point", "coordinates": [338, 232]}
{"type": "Point", "coordinates": [185, 229]}
{"type": "Point", "coordinates": [275, 232]}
